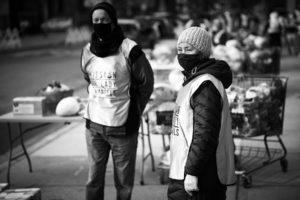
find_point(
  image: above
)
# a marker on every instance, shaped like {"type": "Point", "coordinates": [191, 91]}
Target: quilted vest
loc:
{"type": "Point", "coordinates": [182, 133]}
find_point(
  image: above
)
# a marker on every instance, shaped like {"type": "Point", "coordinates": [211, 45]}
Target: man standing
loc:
{"type": "Point", "coordinates": [120, 84]}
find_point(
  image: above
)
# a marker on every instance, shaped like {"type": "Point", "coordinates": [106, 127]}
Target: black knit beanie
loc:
{"type": "Point", "coordinates": [111, 11]}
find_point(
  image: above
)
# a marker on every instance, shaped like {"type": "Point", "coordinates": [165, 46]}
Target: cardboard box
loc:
{"type": "Point", "coordinates": [21, 194]}
{"type": "Point", "coordinates": [3, 186]}
{"type": "Point", "coordinates": [29, 105]}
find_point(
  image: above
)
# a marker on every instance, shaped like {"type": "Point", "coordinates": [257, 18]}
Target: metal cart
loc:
{"type": "Point", "coordinates": [145, 133]}
{"type": "Point", "coordinates": [157, 119]}
{"type": "Point", "coordinates": [254, 150]}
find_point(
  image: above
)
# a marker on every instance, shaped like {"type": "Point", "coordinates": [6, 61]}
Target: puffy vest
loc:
{"type": "Point", "coordinates": [182, 133]}
{"type": "Point", "coordinates": [109, 98]}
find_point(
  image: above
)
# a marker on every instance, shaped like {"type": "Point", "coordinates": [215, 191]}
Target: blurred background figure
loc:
{"type": "Point", "coordinates": [274, 29]}
{"type": "Point", "coordinates": [147, 37]}
{"type": "Point", "coordinates": [291, 31]}
{"type": "Point", "coordinates": [219, 31]}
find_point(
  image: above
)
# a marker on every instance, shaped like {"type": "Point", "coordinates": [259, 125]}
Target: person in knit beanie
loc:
{"type": "Point", "coordinates": [197, 37]}
{"type": "Point", "coordinates": [201, 138]}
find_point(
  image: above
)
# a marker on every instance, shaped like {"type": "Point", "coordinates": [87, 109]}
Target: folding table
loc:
{"type": "Point", "coordinates": [10, 118]}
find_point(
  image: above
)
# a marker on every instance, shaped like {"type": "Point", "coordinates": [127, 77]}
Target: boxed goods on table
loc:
{"type": "Point", "coordinates": [45, 101]}
{"type": "Point", "coordinates": [257, 106]}
{"type": "Point", "coordinates": [21, 194]}
{"type": "Point", "coordinates": [29, 106]}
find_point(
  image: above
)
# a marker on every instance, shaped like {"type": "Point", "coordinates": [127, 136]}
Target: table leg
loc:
{"type": "Point", "coordinates": [10, 154]}
{"type": "Point", "coordinates": [24, 147]}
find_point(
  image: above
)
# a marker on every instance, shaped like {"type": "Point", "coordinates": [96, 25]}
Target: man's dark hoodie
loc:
{"type": "Point", "coordinates": [206, 103]}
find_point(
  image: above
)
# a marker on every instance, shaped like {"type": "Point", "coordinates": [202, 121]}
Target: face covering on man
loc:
{"type": "Point", "coordinates": [189, 61]}
{"type": "Point", "coordinates": [102, 31]}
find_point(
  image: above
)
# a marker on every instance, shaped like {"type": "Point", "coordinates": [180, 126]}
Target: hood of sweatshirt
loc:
{"type": "Point", "coordinates": [218, 68]}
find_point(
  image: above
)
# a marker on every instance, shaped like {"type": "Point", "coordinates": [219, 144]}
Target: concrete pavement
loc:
{"type": "Point", "coordinates": [60, 162]}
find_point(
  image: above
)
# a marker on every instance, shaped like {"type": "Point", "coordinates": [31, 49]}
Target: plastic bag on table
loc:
{"type": "Point", "coordinates": [54, 92]}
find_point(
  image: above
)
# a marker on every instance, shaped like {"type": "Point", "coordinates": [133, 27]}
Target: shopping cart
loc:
{"type": "Point", "coordinates": [257, 124]}
{"type": "Point", "coordinates": [157, 119]}
{"type": "Point", "coordinates": [164, 120]}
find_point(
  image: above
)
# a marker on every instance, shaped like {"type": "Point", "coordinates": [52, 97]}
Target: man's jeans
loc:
{"type": "Point", "coordinates": [123, 149]}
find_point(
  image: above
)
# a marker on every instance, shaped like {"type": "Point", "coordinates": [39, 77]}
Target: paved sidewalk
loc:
{"type": "Point", "coordinates": [60, 169]}
{"type": "Point", "coordinates": [60, 163]}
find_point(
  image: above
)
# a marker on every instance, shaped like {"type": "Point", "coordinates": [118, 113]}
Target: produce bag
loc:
{"type": "Point", "coordinates": [54, 92]}
{"type": "Point", "coordinates": [258, 109]}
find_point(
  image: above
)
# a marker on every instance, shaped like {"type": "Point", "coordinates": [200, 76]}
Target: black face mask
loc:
{"type": "Point", "coordinates": [188, 61]}
{"type": "Point", "coordinates": [102, 31]}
